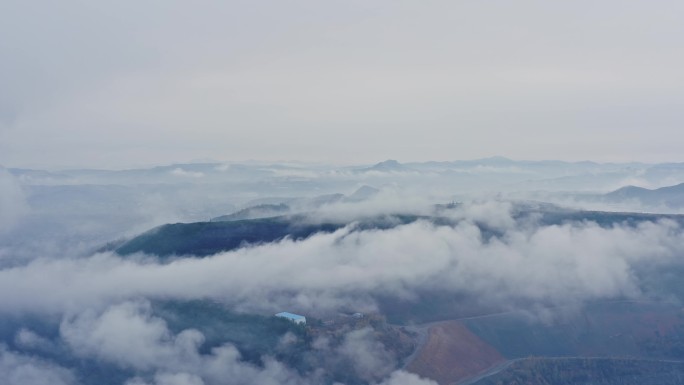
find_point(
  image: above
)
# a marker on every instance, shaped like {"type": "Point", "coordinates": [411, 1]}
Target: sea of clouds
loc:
{"type": "Point", "coordinates": [102, 300]}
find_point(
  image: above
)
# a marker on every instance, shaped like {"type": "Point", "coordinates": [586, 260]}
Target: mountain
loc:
{"type": "Point", "coordinates": [206, 238]}
{"type": "Point", "coordinates": [278, 206]}
{"type": "Point", "coordinates": [629, 192]}
{"type": "Point", "coordinates": [593, 340]}
{"type": "Point", "coordinates": [670, 196]}
{"type": "Point", "coordinates": [470, 342]}
{"type": "Point", "coordinates": [321, 200]}
{"type": "Point", "coordinates": [254, 212]}
{"type": "Point", "coordinates": [582, 371]}
{"type": "Point", "coordinates": [389, 165]}
{"type": "Point", "coordinates": [362, 193]}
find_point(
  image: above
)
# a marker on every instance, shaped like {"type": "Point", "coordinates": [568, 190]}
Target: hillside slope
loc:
{"type": "Point", "coordinates": [588, 371]}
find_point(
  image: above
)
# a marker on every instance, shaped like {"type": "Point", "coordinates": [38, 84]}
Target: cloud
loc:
{"type": "Point", "coordinates": [190, 174]}
{"type": "Point", "coordinates": [19, 369]}
{"type": "Point", "coordinates": [13, 205]}
{"type": "Point", "coordinates": [28, 339]}
{"type": "Point", "coordinates": [128, 335]}
{"type": "Point", "coordinates": [103, 299]}
{"type": "Point", "coordinates": [494, 214]}
{"type": "Point", "coordinates": [389, 199]}
{"type": "Point", "coordinates": [369, 358]}
{"type": "Point", "coordinates": [170, 379]}
{"type": "Point", "coordinates": [551, 265]}
{"type": "Point", "coordinates": [401, 377]}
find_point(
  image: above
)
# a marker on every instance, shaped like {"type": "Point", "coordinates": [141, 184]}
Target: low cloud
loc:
{"type": "Point", "coordinates": [550, 265]}
{"type": "Point", "coordinates": [190, 174]}
{"type": "Point", "coordinates": [401, 377]}
{"type": "Point", "coordinates": [20, 369]}
{"type": "Point", "coordinates": [389, 199]}
{"type": "Point", "coordinates": [103, 300]}
{"type": "Point", "coordinates": [129, 336]}
{"type": "Point", "coordinates": [369, 358]}
{"type": "Point", "coordinates": [491, 213]}
{"type": "Point", "coordinates": [13, 205]}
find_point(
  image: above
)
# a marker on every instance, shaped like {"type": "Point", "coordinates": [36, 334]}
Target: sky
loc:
{"type": "Point", "coordinates": [129, 83]}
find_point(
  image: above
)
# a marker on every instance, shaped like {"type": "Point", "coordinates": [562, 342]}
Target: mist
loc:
{"type": "Point", "coordinates": [175, 174]}
{"type": "Point", "coordinates": [66, 294]}
{"type": "Point", "coordinates": [547, 265]}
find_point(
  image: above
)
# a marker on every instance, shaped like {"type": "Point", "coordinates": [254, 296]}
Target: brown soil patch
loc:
{"type": "Point", "coordinates": [452, 353]}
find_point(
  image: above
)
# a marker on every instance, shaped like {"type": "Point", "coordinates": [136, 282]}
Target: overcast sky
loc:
{"type": "Point", "coordinates": [124, 83]}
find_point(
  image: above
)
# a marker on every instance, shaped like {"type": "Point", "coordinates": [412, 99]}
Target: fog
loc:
{"type": "Point", "coordinates": [548, 265]}
{"type": "Point", "coordinates": [127, 123]}
{"type": "Point", "coordinates": [12, 201]}
{"type": "Point", "coordinates": [491, 249]}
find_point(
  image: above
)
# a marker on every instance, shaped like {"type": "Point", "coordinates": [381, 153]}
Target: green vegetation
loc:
{"type": "Point", "coordinates": [206, 238]}
{"type": "Point", "coordinates": [635, 329]}
{"type": "Point", "coordinates": [254, 335]}
{"type": "Point", "coordinates": [588, 371]}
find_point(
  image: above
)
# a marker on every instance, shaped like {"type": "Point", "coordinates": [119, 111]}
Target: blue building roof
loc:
{"type": "Point", "coordinates": [291, 316]}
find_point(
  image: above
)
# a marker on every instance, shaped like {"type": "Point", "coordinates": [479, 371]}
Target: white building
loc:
{"type": "Point", "coordinates": [296, 318]}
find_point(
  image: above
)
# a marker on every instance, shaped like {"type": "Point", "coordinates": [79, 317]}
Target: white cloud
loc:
{"type": "Point", "coordinates": [169, 379]}
{"type": "Point", "coordinates": [13, 205]}
{"type": "Point", "coordinates": [19, 369]}
{"type": "Point", "coordinates": [106, 314]}
{"type": "Point", "coordinates": [127, 335]}
{"type": "Point", "coordinates": [491, 213]}
{"type": "Point", "coordinates": [550, 265]}
{"type": "Point", "coordinates": [183, 173]}
{"type": "Point", "coordinates": [28, 339]}
{"type": "Point", "coordinates": [401, 377]}
{"type": "Point", "coordinates": [370, 360]}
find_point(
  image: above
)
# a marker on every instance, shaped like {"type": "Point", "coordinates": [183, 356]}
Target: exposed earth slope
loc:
{"type": "Point", "coordinates": [452, 353]}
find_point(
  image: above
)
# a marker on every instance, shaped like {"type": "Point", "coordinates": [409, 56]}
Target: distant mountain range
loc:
{"type": "Point", "coordinates": [671, 196]}
{"type": "Point", "coordinates": [495, 173]}
{"type": "Point", "coordinates": [254, 212]}
{"type": "Point", "coordinates": [284, 206]}
{"type": "Point", "coordinates": [390, 165]}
